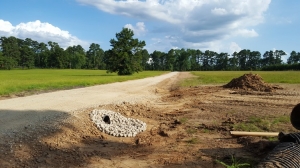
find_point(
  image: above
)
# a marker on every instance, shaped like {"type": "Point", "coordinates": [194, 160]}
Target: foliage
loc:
{"type": "Point", "coordinates": [191, 130]}
{"type": "Point", "coordinates": [10, 52]}
{"type": "Point", "coordinates": [234, 164]}
{"type": "Point", "coordinates": [18, 53]}
{"type": "Point", "coordinates": [95, 56]}
{"type": "Point", "coordinates": [282, 67]}
{"type": "Point", "coordinates": [183, 120]}
{"type": "Point", "coordinates": [125, 57]}
{"type": "Point", "coordinates": [294, 58]}
{"type": "Point", "coordinates": [193, 141]}
{"type": "Point", "coordinates": [128, 56]}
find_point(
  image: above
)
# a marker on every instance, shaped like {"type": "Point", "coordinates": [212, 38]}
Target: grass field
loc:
{"type": "Point", "coordinates": [223, 77]}
{"type": "Point", "coordinates": [18, 81]}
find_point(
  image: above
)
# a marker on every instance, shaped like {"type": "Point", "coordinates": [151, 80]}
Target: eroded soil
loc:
{"type": "Point", "coordinates": [186, 127]}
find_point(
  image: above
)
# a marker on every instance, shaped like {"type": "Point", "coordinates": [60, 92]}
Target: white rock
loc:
{"type": "Point", "coordinates": [119, 125]}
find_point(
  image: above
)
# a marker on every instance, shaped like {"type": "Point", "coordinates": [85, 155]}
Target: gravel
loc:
{"type": "Point", "coordinates": [113, 123]}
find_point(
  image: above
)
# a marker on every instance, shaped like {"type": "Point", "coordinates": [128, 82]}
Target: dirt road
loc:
{"type": "Point", "coordinates": [21, 112]}
{"type": "Point", "coordinates": [186, 126]}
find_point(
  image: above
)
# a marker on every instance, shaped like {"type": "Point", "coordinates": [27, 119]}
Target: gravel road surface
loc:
{"type": "Point", "coordinates": [22, 112]}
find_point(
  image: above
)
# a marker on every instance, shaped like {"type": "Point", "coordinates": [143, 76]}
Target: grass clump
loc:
{"type": "Point", "coordinates": [193, 141]}
{"type": "Point", "coordinates": [206, 131]}
{"type": "Point", "coordinates": [234, 163]}
{"type": "Point", "coordinates": [183, 120]}
{"type": "Point", "coordinates": [254, 123]}
{"type": "Point", "coordinates": [191, 131]}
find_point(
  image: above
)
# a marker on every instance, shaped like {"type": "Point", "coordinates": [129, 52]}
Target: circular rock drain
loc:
{"type": "Point", "coordinates": [113, 123]}
{"type": "Point", "coordinates": [106, 119]}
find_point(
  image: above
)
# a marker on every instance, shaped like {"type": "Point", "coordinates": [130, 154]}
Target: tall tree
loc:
{"type": "Point", "coordinates": [182, 60]}
{"type": "Point", "coordinates": [157, 60]}
{"type": "Point", "coordinates": [26, 54]}
{"type": "Point", "coordinates": [43, 54]}
{"type": "Point", "coordinates": [75, 57]}
{"type": "Point", "coordinates": [278, 55]}
{"type": "Point", "coordinates": [222, 61]}
{"type": "Point", "coordinates": [145, 58]}
{"type": "Point", "coordinates": [233, 62]}
{"type": "Point", "coordinates": [208, 60]}
{"type": "Point", "coordinates": [125, 57]}
{"type": "Point", "coordinates": [95, 57]}
{"type": "Point", "coordinates": [170, 60]}
{"type": "Point", "coordinates": [253, 61]}
{"type": "Point", "coordinates": [243, 57]}
{"type": "Point", "coordinates": [1, 60]}
{"type": "Point", "coordinates": [57, 56]}
{"type": "Point", "coordinates": [294, 58]}
{"type": "Point", "coordinates": [10, 51]}
{"type": "Point", "coordinates": [268, 58]}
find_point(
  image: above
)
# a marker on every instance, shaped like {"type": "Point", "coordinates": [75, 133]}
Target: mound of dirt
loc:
{"type": "Point", "coordinates": [250, 82]}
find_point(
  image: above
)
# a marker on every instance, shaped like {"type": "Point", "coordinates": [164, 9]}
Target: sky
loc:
{"type": "Point", "coordinates": [217, 25]}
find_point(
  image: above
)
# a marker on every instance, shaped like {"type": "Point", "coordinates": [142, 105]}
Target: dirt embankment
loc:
{"type": "Point", "coordinates": [186, 127]}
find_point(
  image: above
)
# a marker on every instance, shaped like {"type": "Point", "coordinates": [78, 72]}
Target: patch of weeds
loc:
{"type": "Point", "coordinates": [234, 163]}
{"type": "Point", "coordinates": [193, 141]}
{"type": "Point", "coordinates": [206, 131]}
{"type": "Point", "coordinates": [273, 139]}
{"type": "Point", "coordinates": [245, 127]}
{"type": "Point", "coordinates": [262, 124]}
{"type": "Point", "coordinates": [215, 123]}
{"type": "Point", "coordinates": [281, 119]}
{"type": "Point", "coordinates": [191, 131]}
{"type": "Point", "coordinates": [183, 120]}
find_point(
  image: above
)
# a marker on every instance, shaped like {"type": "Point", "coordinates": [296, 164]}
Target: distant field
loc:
{"type": "Point", "coordinates": [18, 81]}
{"type": "Point", "coordinates": [223, 77]}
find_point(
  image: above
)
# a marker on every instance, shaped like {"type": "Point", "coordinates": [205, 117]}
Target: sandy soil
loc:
{"type": "Point", "coordinates": [186, 127]}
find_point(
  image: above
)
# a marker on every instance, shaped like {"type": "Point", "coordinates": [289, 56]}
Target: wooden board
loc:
{"type": "Point", "coordinates": [245, 133]}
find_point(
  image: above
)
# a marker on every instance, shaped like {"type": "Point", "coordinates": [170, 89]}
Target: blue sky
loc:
{"type": "Point", "coordinates": [218, 25]}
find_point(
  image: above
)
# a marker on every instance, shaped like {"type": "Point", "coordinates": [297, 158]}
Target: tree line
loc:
{"type": "Point", "coordinates": [128, 56]}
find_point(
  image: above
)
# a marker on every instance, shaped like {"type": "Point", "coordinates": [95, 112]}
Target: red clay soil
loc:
{"type": "Point", "coordinates": [250, 82]}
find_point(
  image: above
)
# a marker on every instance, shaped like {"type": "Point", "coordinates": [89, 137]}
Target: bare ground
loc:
{"type": "Point", "coordinates": [186, 127]}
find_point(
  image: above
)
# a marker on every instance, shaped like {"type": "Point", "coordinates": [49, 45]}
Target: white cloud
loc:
{"type": "Point", "coordinates": [247, 33]}
{"type": "Point", "coordinates": [42, 32]}
{"type": "Point", "coordinates": [193, 22]}
{"type": "Point", "coordinates": [5, 27]}
{"type": "Point", "coordinates": [219, 11]}
{"type": "Point", "coordinates": [138, 29]}
{"type": "Point", "coordinates": [234, 47]}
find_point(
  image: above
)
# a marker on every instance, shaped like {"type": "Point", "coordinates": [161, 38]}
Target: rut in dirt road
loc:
{"type": "Point", "coordinates": [24, 112]}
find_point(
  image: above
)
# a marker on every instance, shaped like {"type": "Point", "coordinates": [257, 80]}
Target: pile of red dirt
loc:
{"type": "Point", "coordinates": [250, 82]}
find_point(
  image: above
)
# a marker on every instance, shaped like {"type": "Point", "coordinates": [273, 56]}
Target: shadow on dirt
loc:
{"type": "Point", "coordinates": [253, 151]}
{"type": "Point", "coordinates": [48, 144]}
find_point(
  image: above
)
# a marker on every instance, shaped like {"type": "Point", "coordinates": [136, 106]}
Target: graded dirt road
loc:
{"type": "Point", "coordinates": [186, 126]}
{"type": "Point", "coordinates": [21, 112]}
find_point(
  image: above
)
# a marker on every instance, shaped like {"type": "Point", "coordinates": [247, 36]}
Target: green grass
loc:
{"type": "Point", "coordinates": [253, 124]}
{"type": "Point", "coordinates": [18, 81]}
{"type": "Point", "coordinates": [193, 141]}
{"type": "Point", "coordinates": [223, 77]}
{"type": "Point", "coordinates": [235, 163]}
{"type": "Point", "coordinates": [191, 131]}
{"type": "Point", "coordinates": [183, 120]}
